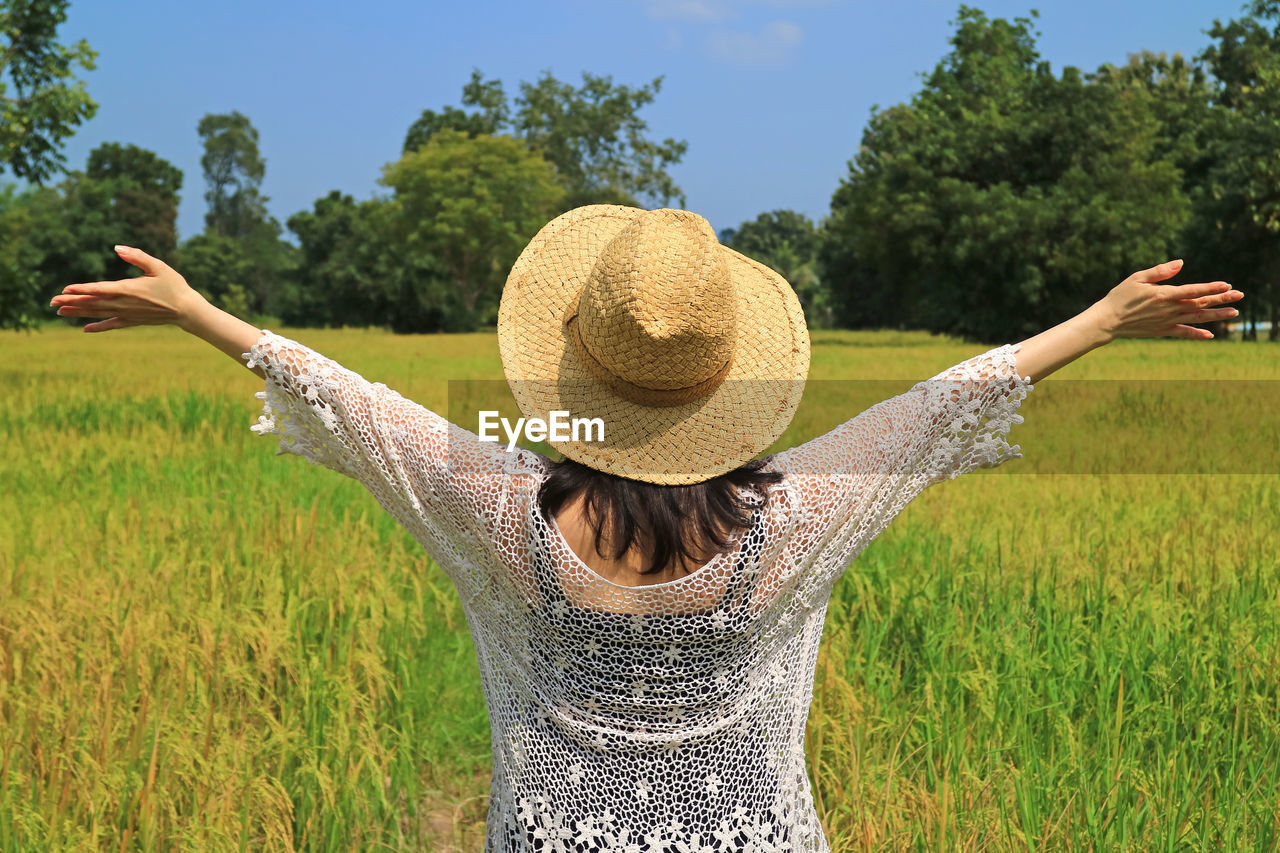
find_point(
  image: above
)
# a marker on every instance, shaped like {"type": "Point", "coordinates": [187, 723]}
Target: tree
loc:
{"type": "Point", "coordinates": [1238, 221]}
{"type": "Point", "coordinates": [345, 273]}
{"type": "Point", "coordinates": [67, 232]}
{"type": "Point", "coordinates": [21, 257]}
{"type": "Point", "coordinates": [597, 142]}
{"type": "Point", "coordinates": [1001, 199]}
{"type": "Point", "coordinates": [46, 105]}
{"type": "Point", "coordinates": [40, 105]}
{"type": "Point", "coordinates": [125, 195]}
{"type": "Point", "coordinates": [1181, 99]}
{"type": "Point", "coordinates": [787, 242]}
{"type": "Point", "coordinates": [487, 96]}
{"type": "Point", "coordinates": [213, 264]}
{"type": "Point", "coordinates": [592, 135]}
{"type": "Point", "coordinates": [144, 197]}
{"type": "Point", "coordinates": [233, 173]}
{"type": "Point", "coordinates": [469, 204]}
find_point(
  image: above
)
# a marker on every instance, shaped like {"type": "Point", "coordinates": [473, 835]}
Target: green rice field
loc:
{"type": "Point", "coordinates": [208, 647]}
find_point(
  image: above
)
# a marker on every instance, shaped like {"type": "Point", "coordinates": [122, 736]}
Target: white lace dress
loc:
{"type": "Point", "coordinates": [667, 717]}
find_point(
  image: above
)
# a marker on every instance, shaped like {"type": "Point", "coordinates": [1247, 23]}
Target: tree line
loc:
{"type": "Point", "coordinates": [999, 200]}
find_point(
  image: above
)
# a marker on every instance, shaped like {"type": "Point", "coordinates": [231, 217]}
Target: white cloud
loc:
{"type": "Point", "coordinates": [716, 10]}
{"type": "Point", "coordinates": [787, 4]}
{"type": "Point", "coordinates": [770, 46]}
{"type": "Point", "coordinates": [689, 10]}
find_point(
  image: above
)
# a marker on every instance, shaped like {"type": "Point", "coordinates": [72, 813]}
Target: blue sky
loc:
{"type": "Point", "coordinates": [772, 95]}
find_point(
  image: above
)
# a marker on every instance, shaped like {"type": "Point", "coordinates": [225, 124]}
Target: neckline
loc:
{"type": "Point", "coordinates": [555, 528]}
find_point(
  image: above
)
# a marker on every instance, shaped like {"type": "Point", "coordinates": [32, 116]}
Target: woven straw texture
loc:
{"type": "Point", "coordinates": [692, 354]}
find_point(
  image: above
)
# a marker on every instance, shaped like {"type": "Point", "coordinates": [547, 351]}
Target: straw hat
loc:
{"type": "Point", "coordinates": [692, 354]}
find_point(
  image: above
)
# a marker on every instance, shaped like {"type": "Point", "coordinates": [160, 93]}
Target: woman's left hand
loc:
{"type": "Point", "coordinates": [1140, 307]}
{"type": "Point", "coordinates": [159, 297]}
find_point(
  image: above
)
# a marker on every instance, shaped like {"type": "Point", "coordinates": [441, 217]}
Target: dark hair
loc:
{"type": "Point", "coordinates": [678, 522]}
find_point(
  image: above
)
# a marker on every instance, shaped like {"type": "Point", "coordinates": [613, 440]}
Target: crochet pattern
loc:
{"type": "Point", "coordinates": [666, 717]}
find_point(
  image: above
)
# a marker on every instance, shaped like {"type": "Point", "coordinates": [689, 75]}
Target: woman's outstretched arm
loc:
{"type": "Point", "coordinates": [852, 481]}
{"type": "Point", "coordinates": [1138, 307]}
{"type": "Point", "coordinates": [445, 485]}
{"type": "Point", "coordinates": [224, 331]}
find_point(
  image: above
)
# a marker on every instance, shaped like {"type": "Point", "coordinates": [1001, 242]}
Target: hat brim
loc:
{"type": "Point", "coordinates": [669, 445]}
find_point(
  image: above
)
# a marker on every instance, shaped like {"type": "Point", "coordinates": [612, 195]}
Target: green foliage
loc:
{"type": "Point", "coordinates": [338, 284]}
{"type": "Point", "coordinates": [1238, 223]}
{"type": "Point", "coordinates": [1181, 99]}
{"type": "Point", "coordinates": [64, 234]}
{"type": "Point", "coordinates": [468, 197]}
{"type": "Point", "coordinates": [81, 227]}
{"type": "Point", "coordinates": [470, 204]}
{"type": "Point", "coordinates": [787, 242]}
{"type": "Point", "coordinates": [45, 105]}
{"type": "Point", "coordinates": [596, 141]}
{"type": "Point", "coordinates": [144, 190]}
{"type": "Point", "coordinates": [1191, 124]}
{"type": "Point", "coordinates": [127, 165]}
{"type": "Point", "coordinates": [21, 282]}
{"type": "Point", "coordinates": [592, 134]}
{"type": "Point", "coordinates": [351, 273]}
{"type": "Point", "coordinates": [236, 300]}
{"type": "Point", "coordinates": [486, 96]}
{"type": "Point", "coordinates": [213, 264]}
{"type": "Point", "coordinates": [1002, 199]}
{"type": "Point", "coordinates": [233, 173]}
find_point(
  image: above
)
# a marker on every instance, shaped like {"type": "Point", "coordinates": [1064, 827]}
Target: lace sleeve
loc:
{"type": "Point", "coordinates": [851, 482]}
{"type": "Point", "coordinates": [454, 492]}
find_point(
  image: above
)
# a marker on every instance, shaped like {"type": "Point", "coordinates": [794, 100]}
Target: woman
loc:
{"type": "Point", "coordinates": [647, 613]}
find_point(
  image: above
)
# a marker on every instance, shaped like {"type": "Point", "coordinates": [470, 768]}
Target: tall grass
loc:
{"type": "Point", "coordinates": [204, 646]}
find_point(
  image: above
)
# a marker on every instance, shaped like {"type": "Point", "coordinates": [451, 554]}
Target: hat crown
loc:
{"type": "Point", "coordinates": [659, 308]}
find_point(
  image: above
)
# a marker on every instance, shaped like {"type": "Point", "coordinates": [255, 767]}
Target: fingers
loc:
{"type": "Point", "coordinates": [1205, 315]}
{"type": "Point", "coordinates": [74, 299]}
{"type": "Point", "coordinates": [108, 325]}
{"type": "Point", "coordinates": [1210, 315]}
{"type": "Point", "coordinates": [89, 307]}
{"type": "Point", "coordinates": [1159, 272]}
{"type": "Point", "coordinates": [1215, 299]}
{"type": "Point", "coordinates": [97, 296]}
{"type": "Point", "coordinates": [97, 288]}
{"type": "Point", "coordinates": [1200, 291]}
{"type": "Point", "coordinates": [140, 259]}
{"type": "Point", "coordinates": [88, 311]}
{"type": "Point", "coordinates": [1195, 301]}
{"type": "Point", "coordinates": [1190, 333]}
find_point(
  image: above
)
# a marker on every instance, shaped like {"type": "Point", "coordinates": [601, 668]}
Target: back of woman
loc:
{"type": "Point", "coordinates": [631, 715]}
{"type": "Point", "coordinates": [653, 713]}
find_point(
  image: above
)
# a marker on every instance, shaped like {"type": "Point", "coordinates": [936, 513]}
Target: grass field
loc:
{"type": "Point", "coordinates": [204, 646]}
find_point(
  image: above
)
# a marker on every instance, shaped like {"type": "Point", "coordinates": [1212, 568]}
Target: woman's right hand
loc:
{"type": "Point", "coordinates": [1139, 307]}
{"type": "Point", "coordinates": [158, 297]}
